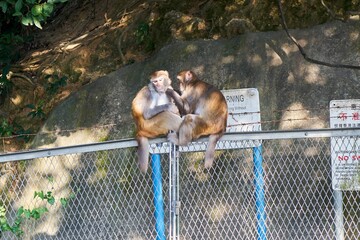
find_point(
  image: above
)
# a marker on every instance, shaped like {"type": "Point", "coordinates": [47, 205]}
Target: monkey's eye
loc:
{"type": "Point", "coordinates": [156, 80]}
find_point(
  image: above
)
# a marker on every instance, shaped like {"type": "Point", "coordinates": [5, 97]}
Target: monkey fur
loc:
{"type": "Point", "coordinates": [205, 113]}
{"type": "Point", "coordinates": [154, 114]}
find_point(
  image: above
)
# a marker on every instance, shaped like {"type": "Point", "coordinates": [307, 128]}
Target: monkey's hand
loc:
{"type": "Point", "coordinates": [179, 102]}
{"type": "Point", "coordinates": [170, 92]}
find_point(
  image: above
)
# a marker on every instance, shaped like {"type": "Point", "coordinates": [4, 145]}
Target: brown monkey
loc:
{"type": "Point", "coordinates": [206, 113]}
{"type": "Point", "coordinates": [154, 114]}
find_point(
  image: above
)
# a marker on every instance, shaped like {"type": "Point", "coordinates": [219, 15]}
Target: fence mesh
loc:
{"type": "Point", "coordinates": [112, 200]}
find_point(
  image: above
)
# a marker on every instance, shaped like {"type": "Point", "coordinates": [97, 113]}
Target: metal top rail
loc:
{"type": "Point", "coordinates": [126, 143]}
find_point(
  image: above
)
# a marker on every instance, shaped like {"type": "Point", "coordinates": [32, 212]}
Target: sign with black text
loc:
{"type": "Point", "coordinates": [345, 151]}
{"type": "Point", "coordinates": [244, 116]}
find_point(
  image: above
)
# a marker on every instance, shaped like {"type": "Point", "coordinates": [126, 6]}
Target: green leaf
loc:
{"type": "Point", "coordinates": [35, 214]}
{"type": "Point", "coordinates": [5, 227]}
{"type": "Point", "coordinates": [50, 179]}
{"type": "Point", "coordinates": [17, 14]}
{"type": "Point", "coordinates": [32, 106]}
{"type": "Point", "coordinates": [18, 5]}
{"type": "Point", "coordinates": [39, 194]}
{"type": "Point", "coordinates": [26, 20]}
{"type": "Point", "coordinates": [36, 10]}
{"type": "Point", "coordinates": [51, 200]}
{"type": "Point", "coordinates": [63, 202]}
{"type": "Point", "coordinates": [3, 6]}
{"type": "Point", "coordinates": [27, 213]}
{"type": "Point", "coordinates": [20, 211]}
{"type": "Point", "coordinates": [37, 22]}
{"type": "Point", "coordinates": [48, 8]}
{"type": "Point", "coordinates": [72, 196]}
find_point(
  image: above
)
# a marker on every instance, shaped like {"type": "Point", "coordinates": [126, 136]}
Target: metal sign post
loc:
{"type": "Point", "coordinates": [158, 197]}
{"type": "Point", "coordinates": [244, 116]}
{"type": "Point", "coordinates": [174, 193]}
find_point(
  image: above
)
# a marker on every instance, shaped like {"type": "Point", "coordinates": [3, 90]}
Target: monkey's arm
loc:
{"type": "Point", "coordinates": [150, 112]}
{"type": "Point", "coordinates": [182, 105]}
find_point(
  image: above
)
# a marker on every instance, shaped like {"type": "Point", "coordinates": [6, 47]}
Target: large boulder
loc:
{"type": "Point", "coordinates": [294, 93]}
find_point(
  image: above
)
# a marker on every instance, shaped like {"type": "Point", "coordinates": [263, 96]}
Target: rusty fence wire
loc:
{"type": "Point", "coordinates": [110, 199]}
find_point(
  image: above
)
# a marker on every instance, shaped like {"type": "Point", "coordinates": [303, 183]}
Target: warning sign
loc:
{"type": "Point", "coordinates": [345, 151]}
{"type": "Point", "coordinates": [244, 110]}
{"type": "Point", "coordinates": [244, 116]}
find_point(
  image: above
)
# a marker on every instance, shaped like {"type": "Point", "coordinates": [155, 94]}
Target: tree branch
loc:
{"type": "Point", "coordinates": [302, 51]}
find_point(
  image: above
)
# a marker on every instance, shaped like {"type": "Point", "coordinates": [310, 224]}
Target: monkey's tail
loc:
{"type": "Point", "coordinates": [143, 153]}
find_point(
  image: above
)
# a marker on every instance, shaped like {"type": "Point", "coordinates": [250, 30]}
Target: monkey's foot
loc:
{"type": "Point", "coordinates": [172, 137]}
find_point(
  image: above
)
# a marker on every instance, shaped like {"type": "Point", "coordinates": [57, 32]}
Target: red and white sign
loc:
{"type": "Point", "coordinates": [345, 151]}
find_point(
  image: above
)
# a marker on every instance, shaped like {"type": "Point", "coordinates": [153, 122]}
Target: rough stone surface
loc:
{"type": "Point", "coordinates": [289, 86]}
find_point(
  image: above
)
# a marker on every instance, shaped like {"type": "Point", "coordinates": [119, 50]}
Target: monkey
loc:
{"type": "Point", "coordinates": [205, 110]}
{"type": "Point", "coordinates": [154, 114]}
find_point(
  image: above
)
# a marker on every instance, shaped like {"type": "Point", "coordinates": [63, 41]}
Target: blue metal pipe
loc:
{"type": "Point", "coordinates": [259, 193]}
{"type": "Point", "coordinates": [158, 197]}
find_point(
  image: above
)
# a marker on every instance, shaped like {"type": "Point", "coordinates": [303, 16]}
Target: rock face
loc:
{"type": "Point", "coordinates": [289, 86]}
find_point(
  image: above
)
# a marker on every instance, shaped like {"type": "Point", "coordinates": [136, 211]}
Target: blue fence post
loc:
{"type": "Point", "coordinates": [158, 197]}
{"type": "Point", "coordinates": [259, 193]}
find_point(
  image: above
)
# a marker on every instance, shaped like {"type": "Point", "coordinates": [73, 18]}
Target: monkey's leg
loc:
{"type": "Point", "coordinates": [210, 150]}
{"type": "Point", "coordinates": [160, 124]}
{"type": "Point", "coordinates": [187, 127]}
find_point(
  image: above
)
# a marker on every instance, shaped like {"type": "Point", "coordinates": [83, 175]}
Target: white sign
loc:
{"type": "Point", "coordinates": [244, 110]}
{"type": "Point", "coordinates": [244, 116]}
{"type": "Point", "coordinates": [345, 151]}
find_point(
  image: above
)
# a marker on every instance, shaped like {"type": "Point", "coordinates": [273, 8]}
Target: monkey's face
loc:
{"type": "Point", "coordinates": [160, 83]}
{"type": "Point", "coordinates": [184, 77]}
{"type": "Point", "coordinates": [181, 83]}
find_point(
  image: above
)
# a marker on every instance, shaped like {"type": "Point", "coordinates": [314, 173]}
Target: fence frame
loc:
{"type": "Point", "coordinates": [126, 143]}
{"type": "Point", "coordinates": [173, 175]}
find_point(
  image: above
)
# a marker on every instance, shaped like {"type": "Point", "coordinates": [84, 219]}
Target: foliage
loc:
{"type": "Point", "coordinates": [15, 13]}
{"type": "Point", "coordinates": [55, 82]}
{"type": "Point", "coordinates": [36, 110]}
{"type": "Point", "coordinates": [143, 36]}
{"type": "Point", "coordinates": [5, 84]}
{"type": "Point", "coordinates": [29, 12]}
{"type": "Point", "coordinates": [23, 214]}
{"type": "Point", "coordinates": [142, 32]}
{"type": "Point", "coordinates": [8, 42]}
{"type": "Point", "coordinates": [22, 133]}
{"type": "Point", "coordinates": [6, 129]}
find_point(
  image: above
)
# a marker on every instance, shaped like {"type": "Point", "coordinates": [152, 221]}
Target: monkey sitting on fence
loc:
{"type": "Point", "coordinates": [205, 113]}
{"type": "Point", "coordinates": [154, 114]}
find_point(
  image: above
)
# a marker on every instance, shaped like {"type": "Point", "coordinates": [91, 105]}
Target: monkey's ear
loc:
{"type": "Point", "coordinates": [188, 76]}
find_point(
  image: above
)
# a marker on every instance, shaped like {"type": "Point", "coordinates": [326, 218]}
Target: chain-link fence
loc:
{"type": "Point", "coordinates": [108, 198]}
